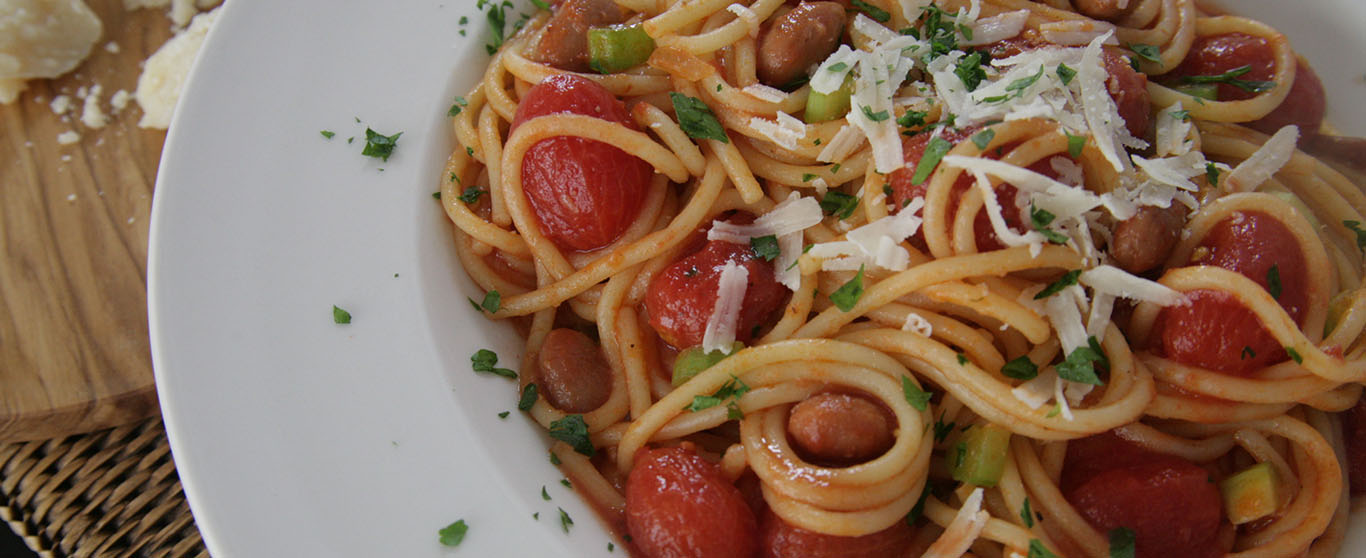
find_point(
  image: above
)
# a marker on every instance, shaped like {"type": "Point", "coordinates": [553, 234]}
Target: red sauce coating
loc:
{"type": "Point", "coordinates": [679, 506]}
{"type": "Point", "coordinates": [779, 539]}
{"type": "Point", "coordinates": [1216, 331]}
{"type": "Point", "coordinates": [681, 298]}
{"type": "Point", "coordinates": [1171, 504]}
{"type": "Point", "coordinates": [1304, 107]}
{"type": "Point", "coordinates": [1217, 54]}
{"type": "Point", "coordinates": [579, 206]}
{"type": "Point", "coordinates": [1354, 431]}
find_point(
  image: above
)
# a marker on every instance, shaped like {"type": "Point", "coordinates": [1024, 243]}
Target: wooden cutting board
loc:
{"type": "Point", "coordinates": [74, 354]}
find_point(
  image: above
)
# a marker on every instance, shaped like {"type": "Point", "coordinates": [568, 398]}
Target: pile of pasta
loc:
{"type": "Point", "coordinates": [936, 316]}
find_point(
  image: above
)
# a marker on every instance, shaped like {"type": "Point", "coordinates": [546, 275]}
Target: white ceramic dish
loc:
{"type": "Point", "coordinates": [298, 437]}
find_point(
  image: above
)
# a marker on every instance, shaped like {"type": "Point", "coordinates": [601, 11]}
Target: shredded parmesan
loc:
{"type": "Point", "coordinates": [997, 28]}
{"type": "Point", "coordinates": [730, 295]}
{"type": "Point", "coordinates": [962, 531]}
{"type": "Point", "coordinates": [764, 93]}
{"type": "Point", "coordinates": [1263, 163]}
{"type": "Point", "coordinates": [747, 15]}
{"type": "Point", "coordinates": [1117, 282]}
{"type": "Point", "coordinates": [846, 140]}
{"type": "Point", "coordinates": [1077, 32]}
{"type": "Point", "coordinates": [917, 324]}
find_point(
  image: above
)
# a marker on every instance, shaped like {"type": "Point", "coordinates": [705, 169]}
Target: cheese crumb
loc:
{"type": "Point", "coordinates": [111, 47]}
{"type": "Point", "coordinates": [60, 104]}
{"type": "Point", "coordinates": [91, 114]}
{"type": "Point", "coordinates": [120, 100]}
{"type": "Point", "coordinates": [68, 137]}
{"type": "Point", "coordinates": [163, 78]}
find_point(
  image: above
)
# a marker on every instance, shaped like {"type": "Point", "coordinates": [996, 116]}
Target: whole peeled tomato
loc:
{"type": "Point", "coordinates": [585, 193]}
{"type": "Point", "coordinates": [678, 505]}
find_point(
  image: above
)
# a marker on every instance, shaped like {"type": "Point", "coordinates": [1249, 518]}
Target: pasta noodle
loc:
{"type": "Point", "coordinates": [982, 293]}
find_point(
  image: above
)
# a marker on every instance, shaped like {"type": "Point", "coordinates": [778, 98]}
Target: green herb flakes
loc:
{"type": "Point", "coordinates": [485, 360]}
{"type": "Point", "coordinates": [528, 398]}
{"type": "Point", "coordinates": [340, 316]}
{"type": "Point", "coordinates": [378, 145]}
{"type": "Point", "coordinates": [765, 247]}
{"type": "Point", "coordinates": [696, 118]}
{"type": "Point", "coordinates": [1020, 369]}
{"type": "Point", "coordinates": [453, 534]}
{"type": "Point", "coordinates": [918, 398]}
{"type": "Point", "coordinates": [573, 430]}
{"type": "Point", "coordinates": [846, 297]}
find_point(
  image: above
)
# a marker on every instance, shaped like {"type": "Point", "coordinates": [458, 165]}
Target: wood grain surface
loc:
{"type": "Point", "coordinates": [74, 353]}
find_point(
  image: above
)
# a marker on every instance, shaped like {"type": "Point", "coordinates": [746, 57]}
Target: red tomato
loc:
{"type": "Point", "coordinates": [585, 193]}
{"type": "Point", "coordinates": [1251, 243]}
{"type": "Point", "coordinates": [1217, 54]}
{"type": "Point", "coordinates": [1354, 432]}
{"type": "Point", "coordinates": [779, 539]}
{"type": "Point", "coordinates": [681, 298]}
{"type": "Point", "coordinates": [1171, 504]}
{"type": "Point", "coordinates": [1304, 107]}
{"type": "Point", "coordinates": [1216, 331]}
{"type": "Point", "coordinates": [1006, 194]}
{"type": "Point", "coordinates": [679, 506]}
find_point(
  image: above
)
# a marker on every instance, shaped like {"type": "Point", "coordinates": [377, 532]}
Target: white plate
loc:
{"type": "Point", "coordinates": [297, 437]}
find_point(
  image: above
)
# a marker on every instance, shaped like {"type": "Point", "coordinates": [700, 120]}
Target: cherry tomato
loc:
{"type": "Point", "coordinates": [1216, 331]}
{"type": "Point", "coordinates": [780, 539]}
{"type": "Point", "coordinates": [1303, 107]}
{"type": "Point", "coordinates": [1171, 504]}
{"type": "Point", "coordinates": [1251, 243]}
{"type": "Point", "coordinates": [1354, 432]}
{"type": "Point", "coordinates": [679, 506]}
{"type": "Point", "coordinates": [1218, 54]}
{"type": "Point", "coordinates": [681, 298]}
{"type": "Point", "coordinates": [584, 193]}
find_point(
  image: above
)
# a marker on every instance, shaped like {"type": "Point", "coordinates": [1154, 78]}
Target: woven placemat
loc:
{"type": "Point", "coordinates": [112, 493]}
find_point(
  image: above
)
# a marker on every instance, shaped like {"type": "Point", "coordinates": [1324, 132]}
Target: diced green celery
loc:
{"type": "Point", "coordinates": [821, 107]}
{"type": "Point", "coordinates": [614, 48]}
{"type": "Point", "coordinates": [692, 361]}
{"type": "Point", "coordinates": [1251, 494]}
{"type": "Point", "coordinates": [980, 457]}
{"type": "Point", "coordinates": [1207, 91]}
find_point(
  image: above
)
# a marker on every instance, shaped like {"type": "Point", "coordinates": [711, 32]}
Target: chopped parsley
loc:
{"type": "Point", "coordinates": [918, 510]}
{"type": "Point", "coordinates": [1147, 52]}
{"type": "Point", "coordinates": [969, 69]}
{"type": "Point", "coordinates": [492, 302]}
{"type": "Point", "coordinates": [340, 316]}
{"type": "Point", "coordinates": [453, 534]}
{"type": "Point", "coordinates": [983, 138]}
{"type": "Point", "coordinates": [378, 145]}
{"type": "Point", "coordinates": [697, 119]}
{"type": "Point", "coordinates": [1038, 550]}
{"type": "Point", "coordinates": [485, 360]}
{"type": "Point", "coordinates": [939, 30]}
{"type": "Point", "coordinates": [1080, 364]}
{"type": "Point", "coordinates": [1181, 114]}
{"type": "Point", "coordinates": [565, 521]}
{"type": "Point", "coordinates": [545, 495]}
{"type": "Point", "coordinates": [1231, 78]}
{"type": "Point", "coordinates": [808, 177]}
{"type": "Point", "coordinates": [566, 484]}
{"type": "Point", "coordinates": [504, 414]}
{"type": "Point", "coordinates": [528, 398]}
{"type": "Point", "coordinates": [962, 359]}
{"type": "Point", "coordinates": [456, 107]}
{"type": "Point", "coordinates": [918, 398]}
{"type": "Point", "coordinates": [1294, 355]}
{"type": "Point", "coordinates": [573, 430]}
{"type": "Point", "coordinates": [846, 297]}
{"type": "Point", "coordinates": [436, 195]}
{"type": "Point", "coordinates": [878, 116]}
{"type": "Point", "coordinates": [1075, 144]}
{"type": "Point", "coordinates": [729, 393]}
{"type": "Point", "coordinates": [1247, 353]}
{"type": "Point", "coordinates": [471, 194]}
{"type": "Point", "coordinates": [1066, 74]}
{"type": "Point", "coordinates": [1020, 369]}
{"type": "Point", "coordinates": [766, 247]}
{"type": "Point", "coordinates": [1026, 515]}
{"type": "Point", "coordinates": [1121, 542]}
{"type": "Point", "coordinates": [497, 21]}
{"type": "Point", "coordinates": [1057, 409]}
{"type": "Point", "coordinates": [934, 152]}
{"type": "Point", "coordinates": [327, 133]}
{"type": "Point", "coordinates": [1019, 86]}
{"type": "Point", "coordinates": [805, 249]}
{"type": "Point", "coordinates": [1273, 282]}
{"type": "Point", "coordinates": [1039, 219]}
{"type": "Point", "coordinates": [1212, 173]}
{"type": "Point", "coordinates": [942, 430]}
{"type": "Point", "coordinates": [837, 67]}
{"type": "Point", "coordinates": [1068, 279]}
{"type": "Point", "coordinates": [839, 204]}
{"type": "Point", "coordinates": [1355, 226]}
{"type": "Point", "coordinates": [912, 118]}
{"type": "Point", "coordinates": [554, 459]}
{"type": "Point", "coordinates": [874, 12]}
{"type": "Point", "coordinates": [541, 4]}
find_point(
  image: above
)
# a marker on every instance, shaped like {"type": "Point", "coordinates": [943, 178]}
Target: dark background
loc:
{"type": "Point", "coordinates": [11, 546]}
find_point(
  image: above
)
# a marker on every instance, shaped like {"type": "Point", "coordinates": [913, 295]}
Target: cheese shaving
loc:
{"type": "Point", "coordinates": [730, 295]}
{"type": "Point", "coordinates": [966, 526]}
{"type": "Point", "coordinates": [1077, 32]}
{"type": "Point", "coordinates": [793, 215]}
{"type": "Point", "coordinates": [846, 140]}
{"type": "Point", "coordinates": [917, 324]}
{"type": "Point", "coordinates": [776, 132]}
{"type": "Point", "coordinates": [747, 15]}
{"type": "Point", "coordinates": [1263, 163]}
{"type": "Point", "coordinates": [764, 93]}
{"type": "Point", "coordinates": [1117, 282]}
{"type": "Point", "coordinates": [997, 28]}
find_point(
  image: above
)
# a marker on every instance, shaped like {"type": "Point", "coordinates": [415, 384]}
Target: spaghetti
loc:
{"type": "Point", "coordinates": [1038, 269]}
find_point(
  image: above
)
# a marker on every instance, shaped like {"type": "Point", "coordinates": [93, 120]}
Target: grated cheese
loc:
{"type": "Point", "coordinates": [846, 140]}
{"type": "Point", "coordinates": [966, 526]}
{"type": "Point", "coordinates": [730, 296]}
{"type": "Point", "coordinates": [1263, 163]}
{"type": "Point", "coordinates": [776, 132]}
{"type": "Point", "coordinates": [1172, 132]}
{"type": "Point", "coordinates": [764, 93]}
{"type": "Point", "coordinates": [917, 324]}
{"type": "Point", "coordinates": [747, 15]}
{"type": "Point", "coordinates": [997, 28]}
{"type": "Point", "coordinates": [1077, 32]}
{"type": "Point", "coordinates": [1117, 282]}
